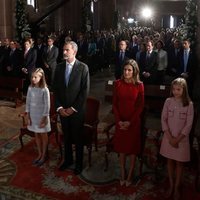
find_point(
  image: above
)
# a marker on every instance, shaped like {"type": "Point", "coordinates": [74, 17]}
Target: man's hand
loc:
{"type": "Point", "coordinates": [69, 111]}
{"type": "Point", "coordinates": [24, 70]}
{"type": "Point", "coordinates": [184, 75]}
{"type": "Point", "coordinates": [66, 112]}
{"type": "Point", "coordinates": [146, 74]}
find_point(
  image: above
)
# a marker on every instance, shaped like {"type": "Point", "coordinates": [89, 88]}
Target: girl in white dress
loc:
{"type": "Point", "coordinates": [38, 108]}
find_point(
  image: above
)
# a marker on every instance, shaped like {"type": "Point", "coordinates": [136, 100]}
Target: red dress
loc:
{"type": "Point", "coordinates": [128, 104]}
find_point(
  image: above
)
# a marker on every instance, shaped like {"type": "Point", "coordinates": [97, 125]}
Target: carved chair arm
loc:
{"type": "Point", "coordinates": [23, 116]}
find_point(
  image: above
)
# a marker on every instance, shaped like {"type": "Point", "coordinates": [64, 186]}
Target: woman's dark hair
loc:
{"type": "Point", "coordinates": [136, 71]}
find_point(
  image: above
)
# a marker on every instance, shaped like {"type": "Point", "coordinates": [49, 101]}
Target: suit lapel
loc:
{"type": "Point", "coordinates": [62, 70]}
{"type": "Point", "coordinates": [74, 71]}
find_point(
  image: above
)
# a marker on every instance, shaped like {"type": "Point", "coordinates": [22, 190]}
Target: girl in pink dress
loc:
{"type": "Point", "coordinates": [177, 118]}
{"type": "Point", "coordinates": [128, 103]}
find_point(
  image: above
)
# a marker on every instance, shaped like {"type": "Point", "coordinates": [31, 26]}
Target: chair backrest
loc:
{"type": "Point", "coordinates": [92, 110]}
{"type": "Point", "coordinates": [52, 104]}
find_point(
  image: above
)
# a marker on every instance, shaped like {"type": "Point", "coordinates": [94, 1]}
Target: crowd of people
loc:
{"type": "Point", "coordinates": [140, 56]}
{"type": "Point", "coordinates": [161, 55]}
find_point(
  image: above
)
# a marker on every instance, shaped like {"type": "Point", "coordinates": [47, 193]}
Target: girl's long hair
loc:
{"type": "Point", "coordinates": [185, 96]}
{"type": "Point", "coordinates": [42, 82]}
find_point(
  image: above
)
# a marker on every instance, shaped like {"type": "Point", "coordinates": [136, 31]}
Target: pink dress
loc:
{"type": "Point", "coordinates": [178, 120]}
{"type": "Point", "coordinates": [128, 103]}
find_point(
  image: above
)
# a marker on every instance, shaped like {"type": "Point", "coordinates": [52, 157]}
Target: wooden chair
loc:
{"type": "Point", "coordinates": [195, 152]}
{"type": "Point", "coordinates": [90, 127]}
{"type": "Point", "coordinates": [11, 89]}
{"type": "Point", "coordinates": [53, 121]}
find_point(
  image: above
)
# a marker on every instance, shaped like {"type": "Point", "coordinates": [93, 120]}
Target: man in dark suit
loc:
{"type": "Point", "coordinates": [50, 60]}
{"type": "Point", "coordinates": [30, 57]}
{"type": "Point", "coordinates": [134, 46]}
{"type": "Point", "coordinates": [187, 68]}
{"type": "Point", "coordinates": [71, 87]}
{"type": "Point", "coordinates": [82, 48]}
{"type": "Point", "coordinates": [4, 52]}
{"type": "Point", "coordinates": [149, 70]}
{"type": "Point", "coordinates": [39, 46]}
{"type": "Point", "coordinates": [174, 59]}
{"type": "Point", "coordinates": [121, 56]}
{"type": "Point", "coordinates": [13, 61]}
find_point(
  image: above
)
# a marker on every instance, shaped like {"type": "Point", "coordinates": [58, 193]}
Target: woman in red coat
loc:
{"type": "Point", "coordinates": [128, 103]}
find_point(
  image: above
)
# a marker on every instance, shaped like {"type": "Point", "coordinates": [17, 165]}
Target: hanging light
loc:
{"type": "Point", "coordinates": [147, 12]}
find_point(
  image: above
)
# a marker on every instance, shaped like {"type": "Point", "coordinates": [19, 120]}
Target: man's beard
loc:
{"type": "Point", "coordinates": [65, 57]}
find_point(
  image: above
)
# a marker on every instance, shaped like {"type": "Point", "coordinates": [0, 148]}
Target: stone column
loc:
{"type": "Point", "coordinates": [6, 18]}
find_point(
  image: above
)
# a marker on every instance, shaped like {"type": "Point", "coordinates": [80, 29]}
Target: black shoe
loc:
{"type": "Point", "coordinates": [35, 162]}
{"type": "Point", "coordinates": [77, 170]}
{"type": "Point", "coordinates": [65, 166]}
{"type": "Point", "coordinates": [41, 162]}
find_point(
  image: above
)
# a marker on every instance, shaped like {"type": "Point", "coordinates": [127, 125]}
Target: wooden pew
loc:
{"type": "Point", "coordinates": [155, 96]}
{"type": "Point", "coordinates": [11, 88]}
{"type": "Point", "coordinates": [109, 86]}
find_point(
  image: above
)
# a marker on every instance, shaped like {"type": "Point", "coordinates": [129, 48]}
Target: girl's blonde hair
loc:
{"type": "Point", "coordinates": [185, 96]}
{"type": "Point", "coordinates": [42, 82]}
{"type": "Point", "coordinates": [136, 71]}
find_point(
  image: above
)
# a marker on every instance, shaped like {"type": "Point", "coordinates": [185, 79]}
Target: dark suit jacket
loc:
{"type": "Point", "coordinates": [30, 61]}
{"type": "Point", "coordinates": [82, 50]}
{"type": "Point", "coordinates": [4, 52]}
{"type": "Point", "coordinates": [133, 51]}
{"type": "Point", "coordinates": [51, 57]}
{"type": "Point", "coordinates": [40, 51]}
{"type": "Point", "coordinates": [14, 60]}
{"type": "Point", "coordinates": [119, 63]}
{"type": "Point", "coordinates": [190, 63]}
{"type": "Point", "coordinates": [150, 65]}
{"type": "Point", "coordinates": [191, 69]}
{"type": "Point", "coordinates": [173, 62]}
{"type": "Point", "coordinates": [74, 95]}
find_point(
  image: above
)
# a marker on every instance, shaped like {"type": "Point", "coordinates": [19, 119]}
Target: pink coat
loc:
{"type": "Point", "coordinates": [178, 120]}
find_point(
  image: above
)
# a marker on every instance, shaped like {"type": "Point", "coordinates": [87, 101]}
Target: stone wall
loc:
{"type": "Point", "coordinates": [6, 18]}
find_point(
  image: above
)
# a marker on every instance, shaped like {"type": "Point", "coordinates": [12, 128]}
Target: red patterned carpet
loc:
{"type": "Point", "coordinates": [23, 181]}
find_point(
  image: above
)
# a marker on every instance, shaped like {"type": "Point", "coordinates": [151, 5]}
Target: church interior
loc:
{"type": "Point", "coordinates": [97, 27]}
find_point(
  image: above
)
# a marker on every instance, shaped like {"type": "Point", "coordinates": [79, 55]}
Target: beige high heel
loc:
{"type": "Point", "coordinates": [122, 182]}
{"type": "Point", "coordinates": [128, 183]}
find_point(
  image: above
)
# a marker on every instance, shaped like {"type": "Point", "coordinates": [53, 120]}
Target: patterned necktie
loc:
{"type": "Point", "coordinates": [49, 49]}
{"type": "Point", "coordinates": [185, 60]}
{"type": "Point", "coordinates": [121, 56]}
{"type": "Point", "coordinates": [11, 52]}
{"type": "Point", "coordinates": [25, 53]}
{"type": "Point", "coordinates": [148, 56]}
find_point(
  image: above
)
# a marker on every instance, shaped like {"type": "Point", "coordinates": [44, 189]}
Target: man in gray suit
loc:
{"type": "Point", "coordinates": [71, 87]}
{"type": "Point", "coordinates": [50, 56]}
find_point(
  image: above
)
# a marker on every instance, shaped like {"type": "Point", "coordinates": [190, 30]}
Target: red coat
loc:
{"type": "Point", "coordinates": [128, 104]}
